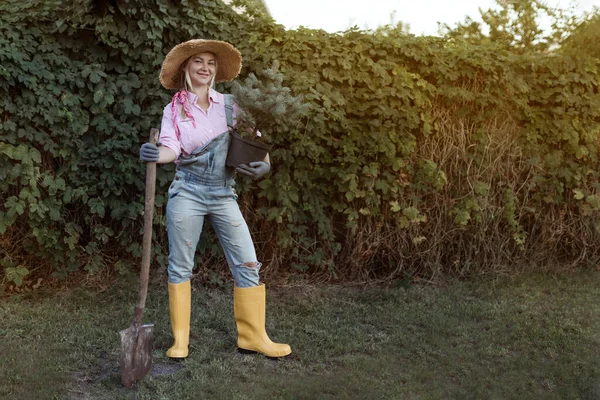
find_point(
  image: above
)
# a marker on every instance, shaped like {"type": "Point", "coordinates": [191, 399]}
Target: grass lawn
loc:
{"type": "Point", "coordinates": [527, 337]}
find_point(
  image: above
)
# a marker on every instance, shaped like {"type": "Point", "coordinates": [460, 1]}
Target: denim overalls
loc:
{"type": "Point", "coordinates": [203, 188]}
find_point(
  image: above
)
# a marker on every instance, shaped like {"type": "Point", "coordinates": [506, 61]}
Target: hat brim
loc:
{"type": "Point", "coordinates": [229, 61]}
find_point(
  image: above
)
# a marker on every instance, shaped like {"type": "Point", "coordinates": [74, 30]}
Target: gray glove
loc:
{"type": "Point", "coordinates": [149, 152]}
{"type": "Point", "coordinates": [255, 169]}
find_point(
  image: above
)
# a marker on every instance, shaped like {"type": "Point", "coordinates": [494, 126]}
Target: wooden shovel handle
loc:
{"type": "Point", "coordinates": [147, 240]}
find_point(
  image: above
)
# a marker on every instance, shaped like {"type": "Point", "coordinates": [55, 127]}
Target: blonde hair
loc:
{"type": "Point", "coordinates": [188, 82]}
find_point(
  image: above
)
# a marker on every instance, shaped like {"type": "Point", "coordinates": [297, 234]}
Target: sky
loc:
{"type": "Point", "coordinates": [421, 15]}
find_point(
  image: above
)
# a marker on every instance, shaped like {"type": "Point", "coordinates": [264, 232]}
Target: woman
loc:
{"type": "Point", "coordinates": [194, 134]}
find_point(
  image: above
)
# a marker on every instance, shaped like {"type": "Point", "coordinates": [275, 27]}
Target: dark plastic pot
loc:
{"type": "Point", "coordinates": [244, 151]}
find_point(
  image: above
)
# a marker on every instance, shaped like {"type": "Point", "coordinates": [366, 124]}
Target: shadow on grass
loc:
{"type": "Point", "coordinates": [532, 337]}
{"type": "Point", "coordinates": [27, 363]}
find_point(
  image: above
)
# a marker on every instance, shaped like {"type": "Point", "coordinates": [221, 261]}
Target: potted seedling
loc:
{"type": "Point", "coordinates": [265, 107]}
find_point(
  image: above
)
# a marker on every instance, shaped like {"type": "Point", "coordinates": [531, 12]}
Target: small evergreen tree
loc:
{"type": "Point", "coordinates": [266, 105]}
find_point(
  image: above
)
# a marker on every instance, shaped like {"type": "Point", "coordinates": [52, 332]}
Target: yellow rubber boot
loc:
{"type": "Point", "coordinates": [249, 309]}
{"type": "Point", "coordinates": [180, 299]}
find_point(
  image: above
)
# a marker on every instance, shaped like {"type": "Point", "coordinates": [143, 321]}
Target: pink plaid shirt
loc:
{"type": "Point", "coordinates": [198, 127]}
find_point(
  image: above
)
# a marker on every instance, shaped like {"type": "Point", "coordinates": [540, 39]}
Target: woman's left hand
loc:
{"type": "Point", "coordinates": [255, 169]}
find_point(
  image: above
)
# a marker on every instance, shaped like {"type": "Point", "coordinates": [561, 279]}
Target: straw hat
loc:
{"type": "Point", "coordinates": [229, 61]}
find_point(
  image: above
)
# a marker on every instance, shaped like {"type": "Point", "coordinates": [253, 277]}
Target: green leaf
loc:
{"type": "Point", "coordinates": [98, 96]}
{"type": "Point", "coordinates": [16, 275]}
{"type": "Point", "coordinates": [96, 206]}
{"type": "Point", "coordinates": [394, 206]}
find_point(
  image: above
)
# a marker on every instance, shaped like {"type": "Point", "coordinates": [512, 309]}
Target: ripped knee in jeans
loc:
{"type": "Point", "coordinates": [246, 274]}
{"type": "Point", "coordinates": [250, 265]}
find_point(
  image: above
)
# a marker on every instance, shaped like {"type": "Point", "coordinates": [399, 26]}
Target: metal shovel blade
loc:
{"type": "Point", "coordinates": [136, 353]}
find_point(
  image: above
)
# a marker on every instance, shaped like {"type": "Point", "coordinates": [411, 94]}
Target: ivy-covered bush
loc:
{"type": "Point", "coordinates": [421, 155]}
{"type": "Point", "coordinates": [79, 95]}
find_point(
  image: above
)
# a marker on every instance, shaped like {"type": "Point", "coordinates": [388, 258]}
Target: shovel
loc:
{"type": "Point", "coordinates": [136, 341]}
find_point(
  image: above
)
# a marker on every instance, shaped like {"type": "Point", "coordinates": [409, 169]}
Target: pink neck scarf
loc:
{"type": "Point", "coordinates": [181, 98]}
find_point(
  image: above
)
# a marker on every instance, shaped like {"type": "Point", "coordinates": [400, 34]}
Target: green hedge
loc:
{"type": "Point", "coordinates": [421, 155]}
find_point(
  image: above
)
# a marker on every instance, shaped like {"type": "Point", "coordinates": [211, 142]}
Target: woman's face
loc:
{"type": "Point", "coordinates": [201, 68]}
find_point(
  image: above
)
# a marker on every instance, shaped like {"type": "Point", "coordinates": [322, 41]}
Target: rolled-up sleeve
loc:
{"type": "Point", "coordinates": [168, 137]}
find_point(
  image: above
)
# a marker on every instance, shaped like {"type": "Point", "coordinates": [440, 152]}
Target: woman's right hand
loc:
{"type": "Point", "coordinates": [149, 152]}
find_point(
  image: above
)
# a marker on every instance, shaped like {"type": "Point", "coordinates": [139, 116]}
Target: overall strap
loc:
{"type": "Point", "coordinates": [229, 110]}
